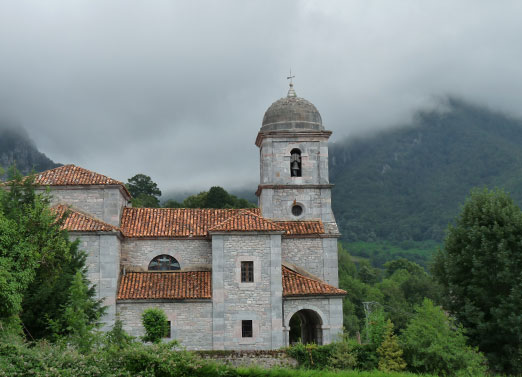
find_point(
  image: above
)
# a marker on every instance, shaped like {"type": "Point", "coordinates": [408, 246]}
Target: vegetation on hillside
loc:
{"type": "Point", "coordinates": [408, 183]}
{"type": "Point", "coordinates": [16, 147]}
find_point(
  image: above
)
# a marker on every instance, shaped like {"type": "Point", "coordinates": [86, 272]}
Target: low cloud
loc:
{"type": "Point", "coordinates": [177, 90]}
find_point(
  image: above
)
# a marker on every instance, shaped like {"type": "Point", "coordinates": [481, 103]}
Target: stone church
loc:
{"type": "Point", "coordinates": [246, 279]}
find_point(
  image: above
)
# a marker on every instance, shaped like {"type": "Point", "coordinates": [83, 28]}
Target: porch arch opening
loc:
{"type": "Point", "coordinates": [306, 327]}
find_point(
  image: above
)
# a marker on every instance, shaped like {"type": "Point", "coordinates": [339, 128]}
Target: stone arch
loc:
{"type": "Point", "coordinates": [151, 255]}
{"type": "Point", "coordinates": [305, 326]}
{"type": "Point", "coordinates": [314, 308]}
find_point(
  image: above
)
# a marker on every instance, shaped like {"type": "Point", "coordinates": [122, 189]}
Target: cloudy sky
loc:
{"type": "Point", "coordinates": [177, 89]}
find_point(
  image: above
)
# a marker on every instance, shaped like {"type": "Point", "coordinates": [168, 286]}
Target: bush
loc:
{"type": "Point", "coordinates": [311, 356]}
{"type": "Point", "coordinates": [390, 353]}
{"type": "Point", "coordinates": [433, 344]}
{"type": "Point", "coordinates": [155, 323]}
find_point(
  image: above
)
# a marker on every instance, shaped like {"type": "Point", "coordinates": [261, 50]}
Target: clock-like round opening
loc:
{"type": "Point", "coordinates": [297, 210]}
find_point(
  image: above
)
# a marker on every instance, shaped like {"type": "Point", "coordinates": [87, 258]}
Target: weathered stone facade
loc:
{"type": "Point", "coordinates": [214, 320]}
{"type": "Point", "coordinates": [191, 321]}
{"type": "Point", "coordinates": [103, 266]}
{"type": "Point", "coordinates": [103, 202]}
{"type": "Point", "coordinates": [259, 301]}
{"type": "Point", "coordinates": [190, 254]}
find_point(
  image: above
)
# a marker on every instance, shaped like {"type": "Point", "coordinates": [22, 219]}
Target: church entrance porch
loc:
{"type": "Point", "coordinates": [306, 327]}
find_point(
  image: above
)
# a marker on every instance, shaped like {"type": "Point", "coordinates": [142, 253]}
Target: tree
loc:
{"type": "Point", "coordinates": [390, 352]}
{"type": "Point", "coordinates": [37, 260]}
{"type": "Point", "coordinates": [30, 236]}
{"type": "Point", "coordinates": [432, 343]}
{"type": "Point", "coordinates": [49, 291]}
{"type": "Point", "coordinates": [144, 191]}
{"type": "Point", "coordinates": [76, 321]}
{"type": "Point", "coordinates": [479, 269]}
{"type": "Point", "coordinates": [156, 326]}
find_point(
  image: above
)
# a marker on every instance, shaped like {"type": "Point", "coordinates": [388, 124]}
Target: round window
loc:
{"type": "Point", "coordinates": [297, 210]}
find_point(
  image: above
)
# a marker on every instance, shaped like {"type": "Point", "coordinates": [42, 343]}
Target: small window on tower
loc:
{"type": "Point", "coordinates": [295, 163]}
{"type": "Point", "coordinates": [246, 328]}
{"type": "Point", "coordinates": [247, 272]}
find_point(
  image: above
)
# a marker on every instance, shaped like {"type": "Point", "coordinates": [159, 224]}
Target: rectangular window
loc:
{"type": "Point", "coordinates": [247, 272]}
{"type": "Point", "coordinates": [168, 330]}
{"type": "Point", "coordinates": [246, 328]}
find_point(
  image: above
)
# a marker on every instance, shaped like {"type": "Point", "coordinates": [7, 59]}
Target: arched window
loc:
{"type": "Point", "coordinates": [295, 162]}
{"type": "Point", "coordinates": [164, 263]}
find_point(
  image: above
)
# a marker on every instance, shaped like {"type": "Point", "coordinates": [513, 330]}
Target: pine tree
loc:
{"type": "Point", "coordinates": [390, 352]}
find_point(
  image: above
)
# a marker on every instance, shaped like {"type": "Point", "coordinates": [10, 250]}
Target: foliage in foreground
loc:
{"type": "Point", "coordinates": [479, 269]}
{"type": "Point", "coordinates": [155, 323]}
{"type": "Point", "coordinates": [163, 360]}
{"type": "Point", "coordinates": [38, 265]}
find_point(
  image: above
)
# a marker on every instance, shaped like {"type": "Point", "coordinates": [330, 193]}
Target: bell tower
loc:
{"type": "Point", "coordinates": [293, 144]}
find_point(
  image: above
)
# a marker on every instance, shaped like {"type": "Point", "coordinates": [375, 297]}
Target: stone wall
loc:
{"type": "Point", "coordinates": [103, 267]}
{"type": "Point", "coordinates": [102, 202]}
{"type": "Point", "coordinates": [139, 252]}
{"type": "Point", "coordinates": [262, 359]}
{"type": "Point", "coordinates": [277, 203]}
{"type": "Point", "coordinates": [329, 309]}
{"type": "Point", "coordinates": [191, 321]}
{"type": "Point", "coordinates": [306, 253]}
{"type": "Point", "coordinates": [259, 301]}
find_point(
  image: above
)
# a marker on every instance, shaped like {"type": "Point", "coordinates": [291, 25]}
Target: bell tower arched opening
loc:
{"type": "Point", "coordinates": [295, 163]}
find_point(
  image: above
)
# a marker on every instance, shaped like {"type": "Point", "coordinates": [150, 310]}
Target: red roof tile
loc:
{"type": "Point", "coordinates": [165, 285]}
{"type": "Point", "coordinates": [246, 221]}
{"type": "Point", "coordinates": [310, 227]}
{"type": "Point", "coordinates": [80, 222]}
{"type": "Point", "coordinates": [173, 222]}
{"type": "Point", "coordinates": [295, 284]}
{"type": "Point", "coordinates": [68, 175]}
{"type": "Point", "coordinates": [198, 285]}
{"type": "Point", "coordinates": [196, 222]}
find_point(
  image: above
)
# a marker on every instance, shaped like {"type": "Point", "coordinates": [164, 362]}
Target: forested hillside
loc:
{"type": "Point", "coordinates": [16, 147]}
{"type": "Point", "coordinates": [409, 182]}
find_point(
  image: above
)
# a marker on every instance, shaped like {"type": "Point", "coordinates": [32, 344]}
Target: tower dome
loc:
{"type": "Point", "coordinates": [292, 113]}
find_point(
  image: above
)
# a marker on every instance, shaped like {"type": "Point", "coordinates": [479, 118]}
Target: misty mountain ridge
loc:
{"type": "Point", "coordinates": [405, 183]}
{"type": "Point", "coordinates": [16, 147]}
{"type": "Point", "coordinates": [408, 183]}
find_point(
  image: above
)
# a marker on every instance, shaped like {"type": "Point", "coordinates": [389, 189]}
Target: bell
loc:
{"type": "Point", "coordinates": [295, 165]}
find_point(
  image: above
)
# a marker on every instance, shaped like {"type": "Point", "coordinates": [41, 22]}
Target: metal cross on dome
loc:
{"type": "Point", "coordinates": [290, 77]}
{"type": "Point", "coordinates": [291, 91]}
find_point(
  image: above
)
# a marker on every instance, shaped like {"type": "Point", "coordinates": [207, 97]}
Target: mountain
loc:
{"type": "Point", "coordinates": [17, 147]}
{"type": "Point", "coordinates": [408, 183]}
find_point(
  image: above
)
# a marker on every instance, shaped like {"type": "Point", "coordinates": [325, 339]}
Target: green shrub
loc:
{"type": "Point", "coordinates": [390, 352]}
{"type": "Point", "coordinates": [343, 355]}
{"type": "Point", "coordinates": [433, 344]}
{"type": "Point", "coordinates": [311, 356]}
{"type": "Point", "coordinates": [156, 326]}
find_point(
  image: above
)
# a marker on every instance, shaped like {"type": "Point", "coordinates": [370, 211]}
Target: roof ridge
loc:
{"type": "Point", "coordinates": [244, 212]}
{"type": "Point", "coordinates": [68, 207]}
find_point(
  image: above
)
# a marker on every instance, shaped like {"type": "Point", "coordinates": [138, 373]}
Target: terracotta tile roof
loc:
{"type": "Point", "coordinates": [165, 285]}
{"type": "Point", "coordinates": [68, 175]}
{"type": "Point", "coordinates": [196, 222]}
{"type": "Point", "coordinates": [198, 285]}
{"type": "Point", "coordinates": [295, 284]}
{"type": "Point", "coordinates": [80, 222]}
{"type": "Point", "coordinates": [302, 227]}
{"type": "Point", "coordinates": [173, 222]}
{"type": "Point", "coordinates": [246, 221]}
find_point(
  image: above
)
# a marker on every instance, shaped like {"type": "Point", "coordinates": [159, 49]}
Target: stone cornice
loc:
{"type": "Point", "coordinates": [291, 134]}
{"type": "Point", "coordinates": [305, 186]}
